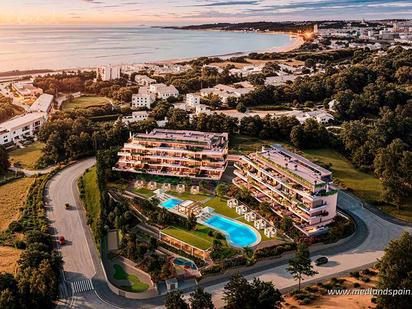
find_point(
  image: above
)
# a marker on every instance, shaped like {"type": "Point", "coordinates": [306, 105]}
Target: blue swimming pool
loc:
{"type": "Point", "coordinates": [237, 234]}
{"type": "Point", "coordinates": [184, 262]}
{"type": "Point", "coordinates": [170, 203]}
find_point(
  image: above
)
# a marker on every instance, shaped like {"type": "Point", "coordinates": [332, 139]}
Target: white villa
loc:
{"type": "Point", "coordinates": [320, 116]}
{"type": "Point", "coordinates": [232, 203]}
{"type": "Point", "coordinates": [136, 116]}
{"type": "Point", "coordinates": [192, 100]}
{"type": "Point", "coordinates": [260, 224]}
{"type": "Point", "coordinates": [250, 216]}
{"type": "Point", "coordinates": [241, 209]}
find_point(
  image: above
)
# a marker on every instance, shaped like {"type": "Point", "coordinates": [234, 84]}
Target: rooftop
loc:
{"type": "Point", "coordinates": [296, 164]}
{"type": "Point", "coordinates": [42, 104]}
{"type": "Point", "coordinates": [208, 138]}
{"type": "Point", "coordinates": [19, 121]}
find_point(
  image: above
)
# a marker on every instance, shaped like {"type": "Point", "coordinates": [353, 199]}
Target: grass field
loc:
{"type": "Point", "coordinates": [92, 194]}
{"type": "Point", "coordinates": [8, 259]}
{"type": "Point", "coordinates": [135, 284]}
{"type": "Point", "coordinates": [85, 102]}
{"type": "Point", "coordinates": [27, 157]}
{"type": "Point", "coordinates": [12, 197]}
{"type": "Point", "coordinates": [198, 238]}
{"type": "Point", "coordinates": [189, 196]}
{"type": "Point", "coordinates": [144, 192]}
{"type": "Point", "coordinates": [240, 144]}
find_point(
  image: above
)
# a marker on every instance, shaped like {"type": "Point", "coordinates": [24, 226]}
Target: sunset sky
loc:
{"type": "Point", "coordinates": [136, 12]}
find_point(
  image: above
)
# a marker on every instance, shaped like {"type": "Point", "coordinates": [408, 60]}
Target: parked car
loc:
{"type": "Point", "coordinates": [61, 240]}
{"type": "Point", "coordinates": [322, 260]}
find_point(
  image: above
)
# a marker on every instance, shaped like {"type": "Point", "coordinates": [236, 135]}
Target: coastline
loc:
{"type": "Point", "coordinates": [296, 42]}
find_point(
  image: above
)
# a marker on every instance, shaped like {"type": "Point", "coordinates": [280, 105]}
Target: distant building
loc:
{"type": "Point", "coordinates": [143, 80]}
{"type": "Point", "coordinates": [26, 89]}
{"type": "Point", "coordinates": [43, 104]}
{"type": "Point", "coordinates": [140, 100]}
{"type": "Point", "coordinates": [136, 116]}
{"type": "Point", "coordinates": [192, 100]}
{"type": "Point", "coordinates": [193, 154]}
{"type": "Point", "coordinates": [225, 91]}
{"type": "Point", "coordinates": [163, 91]}
{"type": "Point", "coordinates": [316, 29]}
{"type": "Point", "coordinates": [279, 80]}
{"type": "Point", "coordinates": [319, 116]}
{"type": "Point", "coordinates": [21, 127]}
{"type": "Point", "coordinates": [108, 72]}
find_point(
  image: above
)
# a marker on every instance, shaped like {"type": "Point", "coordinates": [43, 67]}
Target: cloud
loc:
{"type": "Point", "coordinates": [230, 3]}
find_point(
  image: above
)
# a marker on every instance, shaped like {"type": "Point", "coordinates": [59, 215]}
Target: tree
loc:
{"type": "Point", "coordinates": [240, 294]}
{"type": "Point", "coordinates": [221, 189]}
{"type": "Point", "coordinates": [200, 299]}
{"type": "Point", "coordinates": [4, 160]}
{"type": "Point", "coordinates": [174, 300]}
{"type": "Point", "coordinates": [301, 265]}
{"type": "Point", "coordinates": [393, 165]}
{"type": "Point", "coordinates": [395, 272]}
{"type": "Point", "coordinates": [241, 108]}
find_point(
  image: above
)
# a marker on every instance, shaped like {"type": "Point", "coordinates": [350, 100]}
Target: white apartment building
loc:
{"type": "Point", "coordinates": [140, 100]}
{"type": "Point", "coordinates": [294, 187]}
{"type": "Point", "coordinates": [192, 100]}
{"type": "Point", "coordinates": [43, 104]}
{"type": "Point", "coordinates": [163, 91]}
{"type": "Point", "coordinates": [144, 80]}
{"type": "Point", "coordinates": [136, 116]}
{"type": "Point", "coordinates": [108, 72]}
{"type": "Point", "coordinates": [20, 127]}
{"type": "Point", "coordinates": [225, 91]}
{"type": "Point", "coordinates": [279, 80]}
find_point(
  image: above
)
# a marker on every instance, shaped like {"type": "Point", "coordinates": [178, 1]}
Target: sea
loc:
{"type": "Point", "coordinates": [60, 47]}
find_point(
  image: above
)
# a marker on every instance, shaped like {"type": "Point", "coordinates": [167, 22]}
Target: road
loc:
{"type": "Point", "coordinates": [82, 261]}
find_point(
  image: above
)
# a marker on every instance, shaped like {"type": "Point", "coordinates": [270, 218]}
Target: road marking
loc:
{"type": "Point", "coordinates": [81, 286]}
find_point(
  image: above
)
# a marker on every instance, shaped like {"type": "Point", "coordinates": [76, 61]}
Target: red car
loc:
{"type": "Point", "coordinates": [61, 240]}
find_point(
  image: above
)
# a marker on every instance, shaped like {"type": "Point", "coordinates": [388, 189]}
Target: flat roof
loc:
{"type": "Point", "coordinates": [295, 164]}
{"type": "Point", "coordinates": [208, 138]}
{"type": "Point", "coordinates": [42, 104]}
{"type": "Point", "coordinates": [19, 121]}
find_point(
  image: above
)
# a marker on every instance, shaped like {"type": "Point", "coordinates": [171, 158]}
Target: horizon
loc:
{"type": "Point", "coordinates": [185, 12]}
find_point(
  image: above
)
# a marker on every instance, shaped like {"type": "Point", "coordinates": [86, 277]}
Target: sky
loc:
{"type": "Point", "coordinates": [180, 12]}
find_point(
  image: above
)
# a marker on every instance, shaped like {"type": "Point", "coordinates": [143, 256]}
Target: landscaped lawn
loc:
{"type": "Point", "coordinates": [189, 196]}
{"type": "Point", "coordinates": [135, 284]}
{"type": "Point", "coordinates": [85, 102]}
{"type": "Point", "coordinates": [91, 195]}
{"type": "Point", "coordinates": [198, 238]}
{"type": "Point", "coordinates": [12, 197]}
{"type": "Point", "coordinates": [144, 192]}
{"type": "Point", "coordinates": [240, 144]}
{"type": "Point", "coordinates": [27, 157]}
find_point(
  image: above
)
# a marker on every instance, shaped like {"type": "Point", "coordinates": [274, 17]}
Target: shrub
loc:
{"type": "Point", "coordinates": [355, 274]}
{"type": "Point", "coordinates": [20, 244]}
{"type": "Point", "coordinates": [365, 279]}
{"type": "Point", "coordinates": [306, 301]}
{"type": "Point", "coordinates": [356, 285]}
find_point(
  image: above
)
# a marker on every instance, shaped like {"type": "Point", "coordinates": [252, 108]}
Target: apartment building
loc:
{"type": "Point", "coordinates": [135, 117]}
{"type": "Point", "coordinates": [294, 186]}
{"type": "Point", "coordinates": [108, 72]}
{"type": "Point", "coordinates": [26, 89]}
{"type": "Point", "coordinates": [144, 80]}
{"type": "Point", "coordinates": [193, 154]}
{"type": "Point", "coordinates": [21, 127]}
{"type": "Point", "coordinates": [43, 104]}
{"type": "Point", "coordinates": [140, 100]}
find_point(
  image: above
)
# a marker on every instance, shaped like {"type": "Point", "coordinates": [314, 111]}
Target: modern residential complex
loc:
{"type": "Point", "coordinates": [136, 116]}
{"type": "Point", "coordinates": [193, 154]}
{"type": "Point", "coordinates": [144, 80]}
{"type": "Point", "coordinates": [143, 100]}
{"type": "Point", "coordinates": [26, 89]}
{"type": "Point", "coordinates": [294, 186]}
{"type": "Point", "coordinates": [43, 104]}
{"type": "Point", "coordinates": [161, 91]}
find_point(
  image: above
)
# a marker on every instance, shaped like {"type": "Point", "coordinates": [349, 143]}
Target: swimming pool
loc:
{"type": "Point", "coordinates": [184, 263]}
{"type": "Point", "coordinates": [170, 203]}
{"type": "Point", "coordinates": [237, 234]}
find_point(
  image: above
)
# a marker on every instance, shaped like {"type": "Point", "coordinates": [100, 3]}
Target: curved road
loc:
{"type": "Point", "coordinates": [83, 267]}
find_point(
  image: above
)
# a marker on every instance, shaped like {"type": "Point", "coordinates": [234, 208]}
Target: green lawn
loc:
{"type": "Point", "coordinates": [240, 144]}
{"type": "Point", "coordinates": [189, 196]}
{"type": "Point", "coordinates": [364, 185]}
{"type": "Point", "coordinates": [91, 197]}
{"type": "Point", "coordinates": [198, 238]}
{"type": "Point", "coordinates": [27, 157]}
{"type": "Point", "coordinates": [135, 284]}
{"type": "Point", "coordinates": [143, 192]}
{"type": "Point", "coordinates": [85, 102]}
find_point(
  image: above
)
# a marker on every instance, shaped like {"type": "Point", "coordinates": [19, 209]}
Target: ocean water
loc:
{"type": "Point", "coordinates": [39, 47]}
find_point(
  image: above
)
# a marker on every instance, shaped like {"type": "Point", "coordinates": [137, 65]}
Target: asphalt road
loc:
{"type": "Point", "coordinates": [82, 261]}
